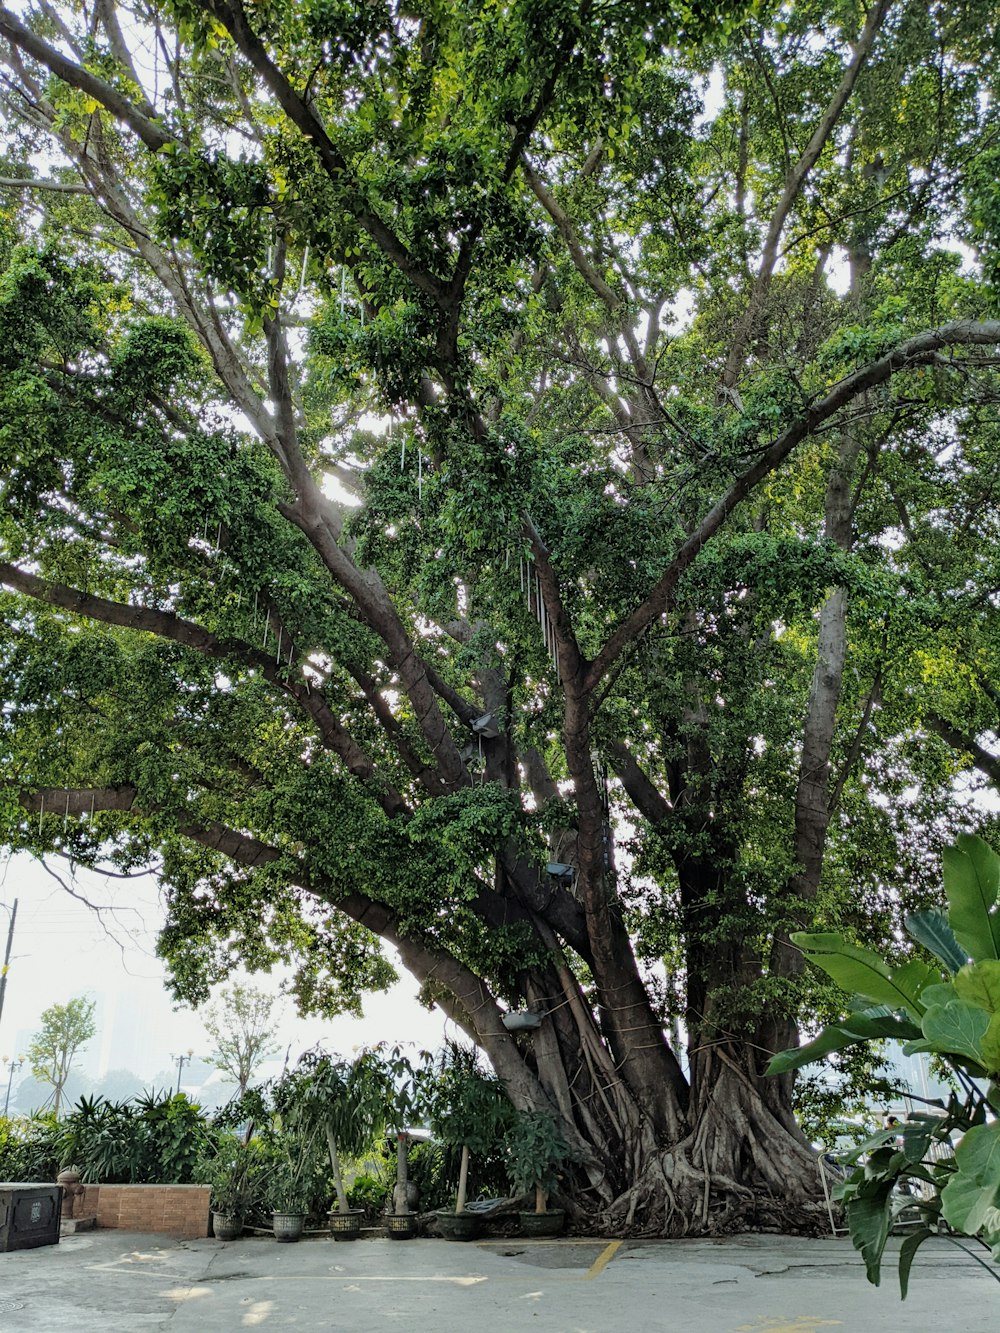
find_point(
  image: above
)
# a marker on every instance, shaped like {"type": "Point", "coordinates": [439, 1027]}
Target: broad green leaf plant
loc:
{"type": "Point", "coordinates": [945, 1161]}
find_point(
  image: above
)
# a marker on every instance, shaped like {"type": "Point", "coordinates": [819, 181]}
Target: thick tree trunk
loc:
{"type": "Point", "coordinates": [632, 1029]}
{"type": "Point", "coordinates": [738, 1168]}
{"type": "Point", "coordinates": [813, 809]}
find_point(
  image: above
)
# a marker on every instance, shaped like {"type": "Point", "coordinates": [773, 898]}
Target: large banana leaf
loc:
{"type": "Point", "coordinates": [861, 972]}
{"type": "Point", "coordinates": [907, 1251]}
{"type": "Point", "coordinates": [868, 1220]}
{"type": "Point", "coordinates": [972, 881]}
{"type": "Point", "coordinates": [866, 1025]}
{"type": "Point", "coordinates": [931, 929]}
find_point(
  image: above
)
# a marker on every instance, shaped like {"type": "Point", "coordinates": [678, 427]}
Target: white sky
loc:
{"type": "Point", "coordinates": [62, 948]}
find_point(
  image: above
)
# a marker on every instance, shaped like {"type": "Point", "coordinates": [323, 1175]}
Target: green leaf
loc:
{"type": "Point", "coordinates": [867, 1025]}
{"type": "Point", "coordinates": [874, 1148]}
{"type": "Point", "coordinates": [968, 1206]}
{"type": "Point", "coordinates": [917, 1136]}
{"type": "Point", "coordinates": [868, 1216]}
{"type": "Point", "coordinates": [990, 1046]}
{"type": "Point", "coordinates": [859, 971]}
{"type": "Point", "coordinates": [831, 1039]}
{"type": "Point", "coordinates": [943, 993]}
{"type": "Point", "coordinates": [971, 881]}
{"type": "Point", "coordinates": [979, 983]}
{"type": "Point", "coordinates": [931, 929]}
{"type": "Point", "coordinates": [913, 979]}
{"type": "Point", "coordinates": [907, 1251]}
{"type": "Point", "coordinates": [971, 1198]}
{"type": "Point", "coordinates": [919, 1047]}
{"type": "Point", "coordinates": [956, 1029]}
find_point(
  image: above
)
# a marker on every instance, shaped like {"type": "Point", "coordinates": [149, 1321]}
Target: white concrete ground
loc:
{"type": "Point", "coordinates": [113, 1282]}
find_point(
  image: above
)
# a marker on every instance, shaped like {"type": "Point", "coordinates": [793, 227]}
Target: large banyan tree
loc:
{"type": "Point", "coordinates": [518, 482]}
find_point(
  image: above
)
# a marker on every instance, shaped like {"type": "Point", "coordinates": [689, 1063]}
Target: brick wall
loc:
{"type": "Point", "coordinates": [173, 1210]}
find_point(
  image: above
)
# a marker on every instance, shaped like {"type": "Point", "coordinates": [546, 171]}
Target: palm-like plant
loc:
{"type": "Point", "coordinates": [350, 1103]}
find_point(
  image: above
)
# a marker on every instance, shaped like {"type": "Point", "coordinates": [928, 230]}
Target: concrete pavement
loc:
{"type": "Point", "coordinates": [116, 1282]}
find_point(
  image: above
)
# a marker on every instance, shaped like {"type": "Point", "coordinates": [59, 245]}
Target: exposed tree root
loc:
{"type": "Point", "coordinates": [739, 1169]}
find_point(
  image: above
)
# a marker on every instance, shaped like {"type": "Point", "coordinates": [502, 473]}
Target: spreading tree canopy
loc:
{"type": "Point", "coordinates": [520, 483]}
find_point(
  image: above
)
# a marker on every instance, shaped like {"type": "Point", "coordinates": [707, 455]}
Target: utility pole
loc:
{"type": "Point", "coordinates": [182, 1060]}
{"type": "Point", "coordinates": [15, 1063]}
{"type": "Point", "coordinates": [6, 957]}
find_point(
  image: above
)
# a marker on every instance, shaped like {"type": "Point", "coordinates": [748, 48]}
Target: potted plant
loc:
{"type": "Point", "coordinates": [468, 1112]}
{"type": "Point", "coordinates": [346, 1103]}
{"type": "Point", "coordinates": [229, 1175]}
{"type": "Point", "coordinates": [536, 1149]}
{"type": "Point", "coordinates": [401, 1223]}
{"type": "Point", "coordinates": [288, 1200]}
{"type": "Point", "coordinates": [293, 1134]}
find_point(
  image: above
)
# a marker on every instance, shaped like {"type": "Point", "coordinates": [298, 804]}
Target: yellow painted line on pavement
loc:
{"type": "Point", "coordinates": [602, 1261]}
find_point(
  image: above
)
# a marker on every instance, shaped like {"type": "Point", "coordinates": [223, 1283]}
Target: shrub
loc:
{"type": "Point", "coordinates": [944, 1162]}
{"type": "Point", "coordinates": [29, 1147]}
{"type": "Point", "coordinates": [157, 1138]}
{"type": "Point", "coordinates": [369, 1193]}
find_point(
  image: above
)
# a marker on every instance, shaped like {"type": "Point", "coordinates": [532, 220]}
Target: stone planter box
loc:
{"type": "Point", "coordinates": [29, 1215]}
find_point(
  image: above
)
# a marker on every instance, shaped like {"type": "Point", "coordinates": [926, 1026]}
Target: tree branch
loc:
{"type": "Point", "coordinates": [568, 232]}
{"type": "Point", "coordinates": [233, 15]}
{"type": "Point", "coordinates": [981, 758]}
{"type": "Point", "coordinates": [107, 12]}
{"type": "Point", "coordinates": [25, 183]}
{"type": "Point", "coordinates": [569, 650]}
{"type": "Point", "coordinates": [915, 351]}
{"type": "Point", "coordinates": [167, 625]}
{"type": "Point", "coordinates": [152, 134]}
{"type": "Point", "coordinates": [854, 750]}
{"type": "Point", "coordinates": [77, 801]}
{"type": "Point", "coordinates": [420, 681]}
{"type": "Point", "coordinates": [468, 999]}
{"type": "Point", "coordinates": [794, 182]}
{"type": "Point", "coordinates": [642, 792]}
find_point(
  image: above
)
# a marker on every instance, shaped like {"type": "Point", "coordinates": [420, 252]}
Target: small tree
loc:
{"type": "Point", "coordinates": [65, 1029]}
{"type": "Point", "coordinates": [466, 1108]}
{"type": "Point", "coordinates": [348, 1102]}
{"type": "Point", "coordinates": [243, 1027]}
{"type": "Point", "coordinates": [535, 1152]}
